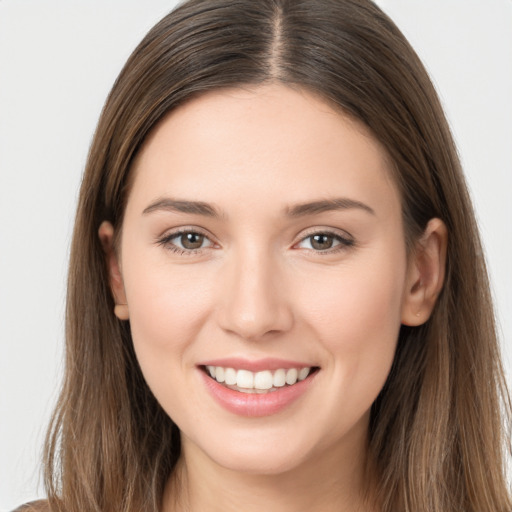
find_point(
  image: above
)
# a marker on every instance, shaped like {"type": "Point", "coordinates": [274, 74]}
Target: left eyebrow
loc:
{"type": "Point", "coordinates": [174, 205]}
{"type": "Point", "coordinates": [316, 207]}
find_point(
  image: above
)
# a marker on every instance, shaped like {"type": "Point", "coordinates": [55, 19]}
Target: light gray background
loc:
{"type": "Point", "coordinates": [58, 60]}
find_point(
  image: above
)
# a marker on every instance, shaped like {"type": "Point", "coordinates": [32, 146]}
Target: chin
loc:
{"type": "Point", "coordinates": [262, 451]}
{"type": "Point", "coordinates": [260, 463]}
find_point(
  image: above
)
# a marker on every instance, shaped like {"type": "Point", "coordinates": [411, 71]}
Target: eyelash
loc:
{"type": "Point", "coordinates": [344, 242]}
{"type": "Point", "coordinates": [168, 244]}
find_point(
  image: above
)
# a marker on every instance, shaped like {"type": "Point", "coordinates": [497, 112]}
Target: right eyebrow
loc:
{"type": "Point", "coordinates": [327, 205]}
{"type": "Point", "coordinates": [174, 205]}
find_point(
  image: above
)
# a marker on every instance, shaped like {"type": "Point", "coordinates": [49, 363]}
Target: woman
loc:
{"type": "Point", "coordinates": [269, 297]}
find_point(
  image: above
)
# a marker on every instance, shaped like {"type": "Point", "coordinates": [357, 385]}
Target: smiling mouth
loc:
{"type": "Point", "coordinates": [261, 382]}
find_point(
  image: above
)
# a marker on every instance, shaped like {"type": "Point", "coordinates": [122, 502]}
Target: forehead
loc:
{"type": "Point", "coordinates": [268, 143]}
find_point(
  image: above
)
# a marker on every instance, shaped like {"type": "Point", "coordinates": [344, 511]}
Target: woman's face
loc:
{"type": "Point", "coordinates": [263, 237]}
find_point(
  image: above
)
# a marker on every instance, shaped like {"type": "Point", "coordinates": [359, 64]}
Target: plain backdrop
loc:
{"type": "Point", "coordinates": [58, 60]}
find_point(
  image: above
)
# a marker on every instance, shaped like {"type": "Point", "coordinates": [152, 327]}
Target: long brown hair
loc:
{"type": "Point", "coordinates": [438, 435]}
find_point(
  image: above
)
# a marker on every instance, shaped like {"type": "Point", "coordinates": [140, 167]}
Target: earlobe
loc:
{"type": "Point", "coordinates": [425, 276]}
{"type": "Point", "coordinates": [106, 235]}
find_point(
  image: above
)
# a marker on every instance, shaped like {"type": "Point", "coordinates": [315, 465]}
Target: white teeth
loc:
{"type": "Point", "coordinates": [230, 376]}
{"type": "Point", "coordinates": [291, 376]}
{"type": "Point", "coordinates": [263, 380]}
{"type": "Point", "coordinates": [303, 373]}
{"type": "Point", "coordinates": [279, 378]}
{"type": "Point", "coordinates": [245, 379]}
{"type": "Point", "coordinates": [251, 382]}
{"type": "Point", "coordinates": [219, 374]}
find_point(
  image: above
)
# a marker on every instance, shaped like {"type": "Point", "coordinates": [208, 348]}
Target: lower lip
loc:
{"type": "Point", "coordinates": [256, 404]}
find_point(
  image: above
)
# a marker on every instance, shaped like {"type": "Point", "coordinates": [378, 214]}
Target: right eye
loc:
{"type": "Point", "coordinates": [186, 242]}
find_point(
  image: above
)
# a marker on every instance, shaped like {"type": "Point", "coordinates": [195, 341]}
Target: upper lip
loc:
{"type": "Point", "coordinates": [255, 365]}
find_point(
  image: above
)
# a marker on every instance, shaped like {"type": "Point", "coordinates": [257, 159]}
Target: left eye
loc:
{"type": "Point", "coordinates": [189, 240]}
{"type": "Point", "coordinates": [323, 242]}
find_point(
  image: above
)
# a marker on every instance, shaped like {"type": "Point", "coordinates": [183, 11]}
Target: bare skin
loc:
{"type": "Point", "coordinates": [264, 224]}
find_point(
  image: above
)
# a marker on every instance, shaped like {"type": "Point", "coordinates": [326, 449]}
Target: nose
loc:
{"type": "Point", "coordinates": [254, 303]}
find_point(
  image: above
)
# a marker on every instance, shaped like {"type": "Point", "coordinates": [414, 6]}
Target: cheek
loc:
{"type": "Point", "coordinates": [167, 310]}
{"type": "Point", "coordinates": [168, 307]}
{"type": "Point", "coordinates": [354, 304]}
{"type": "Point", "coordinates": [356, 315]}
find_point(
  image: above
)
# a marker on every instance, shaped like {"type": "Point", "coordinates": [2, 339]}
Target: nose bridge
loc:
{"type": "Point", "coordinates": [255, 296]}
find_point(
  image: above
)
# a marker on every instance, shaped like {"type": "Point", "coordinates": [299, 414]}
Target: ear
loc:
{"type": "Point", "coordinates": [106, 235]}
{"type": "Point", "coordinates": [425, 274]}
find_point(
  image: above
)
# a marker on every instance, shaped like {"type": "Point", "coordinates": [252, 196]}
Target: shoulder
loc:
{"type": "Point", "coordinates": [34, 506]}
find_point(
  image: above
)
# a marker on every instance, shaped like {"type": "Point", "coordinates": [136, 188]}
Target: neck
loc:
{"type": "Point", "coordinates": [337, 480]}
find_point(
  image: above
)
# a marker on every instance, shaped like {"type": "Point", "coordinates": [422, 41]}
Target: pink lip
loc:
{"type": "Point", "coordinates": [255, 366]}
{"type": "Point", "coordinates": [252, 404]}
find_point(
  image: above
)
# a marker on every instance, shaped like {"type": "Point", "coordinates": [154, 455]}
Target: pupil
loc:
{"type": "Point", "coordinates": [322, 242]}
{"type": "Point", "coordinates": [192, 240]}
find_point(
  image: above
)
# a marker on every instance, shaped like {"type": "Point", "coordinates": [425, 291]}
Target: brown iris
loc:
{"type": "Point", "coordinates": [191, 240]}
{"type": "Point", "coordinates": [322, 242]}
